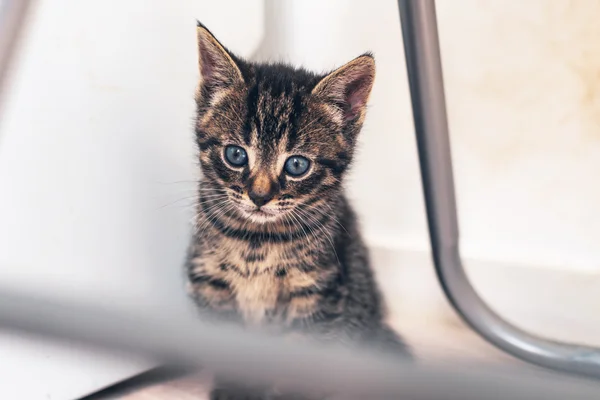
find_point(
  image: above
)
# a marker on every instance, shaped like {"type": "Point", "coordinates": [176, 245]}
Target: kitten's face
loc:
{"type": "Point", "coordinates": [274, 140]}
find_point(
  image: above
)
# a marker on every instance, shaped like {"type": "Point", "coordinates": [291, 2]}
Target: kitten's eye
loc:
{"type": "Point", "coordinates": [236, 156]}
{"type": "Point", "coordinates": [296, 165]}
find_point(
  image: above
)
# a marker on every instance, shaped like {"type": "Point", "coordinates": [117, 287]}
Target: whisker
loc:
{"type": "Point", "coordinates": [212, 196]}
{"type": "Point", "coordinates": [211, 215]}
{"type": "Point", "coordinates": [293, 215]}
{"type": "Point", "coordinates": [175, 202]}
{"type": "Point", "coordinates": [319, 225]}
{"type": "Point", "coordinates": [176, 182]}
{"type": "Point", "coordinates": [332, 215]}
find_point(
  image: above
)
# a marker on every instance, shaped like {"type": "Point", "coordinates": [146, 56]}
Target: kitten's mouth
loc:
{"type": "Point", "coordinates": [260, 215]}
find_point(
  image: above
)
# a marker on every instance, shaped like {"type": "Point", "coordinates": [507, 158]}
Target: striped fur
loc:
{"type": "Point", "coordinates": [300, 266]}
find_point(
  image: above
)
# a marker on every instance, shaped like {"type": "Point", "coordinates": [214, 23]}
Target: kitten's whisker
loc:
{"type": "Point", "coordinates": [301, 225]}
{"type": "Point", "coordinates": [209, 194]}
{"type": "Point", "coordinates": [213, 201]}
{"type": "Point", "coordinates": [192, 195]}
{"type": "Point", "coordinates": [204, 185]}
{"type": "Point", "coordinates": [332, 215]}
{"type": "Point", "coordinates": [310, 228]}
{"type": "Point", "coordinates": [212, 207]}
{"type": "Point", "coordinates": [210, 191]}
{"type": "Point", "coordinates": [218, 214]}
{"type": "Point", "coordinates": [214, 197]}
{"type": "Point", "coordinates": [212, 216]}
{"type": "Point", "coordinates": [207, 212]}
{"type": "Point", "coordinates": [322, 228]}
{"type": "Point", "coordinates": [288, 225]}
{"type": "Point", "coordinates": [208, 187]}
{"type": "Point", "coordinates": [175, 202]}
{"type": "Point", "coordinates": [176, 182]}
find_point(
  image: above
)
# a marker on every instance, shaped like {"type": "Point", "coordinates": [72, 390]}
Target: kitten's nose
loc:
{"type": "Point", "coordinates": [260, 199]}
{"type": "Point", "coordinates": [261, 189]}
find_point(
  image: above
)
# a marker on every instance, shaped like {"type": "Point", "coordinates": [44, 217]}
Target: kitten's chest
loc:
{"type": "Point", "coordinates": [257, 297]}
{"type": "Point", "coordinates": [253, 276]}
{"type": "Point", "coordinates": [261, 282]}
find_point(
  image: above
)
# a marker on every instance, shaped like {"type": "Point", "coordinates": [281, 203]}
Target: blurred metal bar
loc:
{"type": "Point", "coordinates": [171, 336]}
{"type": "Point", "coordinates": [423, 60]}
{"type": "Point", "coordinates": [12, 15]}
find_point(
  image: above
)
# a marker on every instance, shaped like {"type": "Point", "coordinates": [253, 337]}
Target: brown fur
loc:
{"type": "Point", "coordinates": [274, 249]}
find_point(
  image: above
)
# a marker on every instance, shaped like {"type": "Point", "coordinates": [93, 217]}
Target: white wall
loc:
{"type": "Point", "coordinates": [524, 96]}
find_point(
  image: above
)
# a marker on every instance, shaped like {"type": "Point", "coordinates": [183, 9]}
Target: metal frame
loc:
{"type": "Point", "coordinates": [423, 61]}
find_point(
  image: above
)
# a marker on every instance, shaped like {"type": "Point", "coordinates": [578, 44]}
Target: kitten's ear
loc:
{"type": "Point", "coordinates": [217, 66]}
{"type": "Point", "coordinates": [348, 87]}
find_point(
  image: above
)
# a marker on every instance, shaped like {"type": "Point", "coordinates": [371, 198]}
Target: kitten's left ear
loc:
{"type": "Point", "coordinates": [349, 87]}
{"type": "Point", "coordinates": [218, 69]}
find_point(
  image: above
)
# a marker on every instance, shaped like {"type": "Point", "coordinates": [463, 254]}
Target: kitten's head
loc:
{"type": "Point", "coordinates": [273, 138]}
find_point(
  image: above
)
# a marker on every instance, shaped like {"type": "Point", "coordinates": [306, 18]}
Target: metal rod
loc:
{"type": "Point", "coordinates": [423, 61]}
{"type": "Point", "coordinates": [171, 336]}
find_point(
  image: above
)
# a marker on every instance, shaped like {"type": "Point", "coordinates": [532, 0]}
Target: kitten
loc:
{"type": "Point", "coordinates": [277, 243]}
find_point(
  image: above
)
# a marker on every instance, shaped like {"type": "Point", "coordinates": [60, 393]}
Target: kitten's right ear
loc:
{"type": "Point", "coordinates": [217, 67]}
{"type": "Point", "coordinates": [349, 87]}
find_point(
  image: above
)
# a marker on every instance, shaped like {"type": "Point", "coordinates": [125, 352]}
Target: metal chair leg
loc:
{"type": "Point", "coordinates": [421, 46]}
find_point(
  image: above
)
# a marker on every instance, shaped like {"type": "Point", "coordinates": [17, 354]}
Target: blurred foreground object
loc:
{"type": "Point", "coordinates": [12, 16]}
{"type": "Point", "coordinates": [251, 356]}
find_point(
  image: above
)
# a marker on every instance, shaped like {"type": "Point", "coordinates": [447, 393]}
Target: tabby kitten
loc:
{"type": "Point", "coordinates": [277, 243]}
